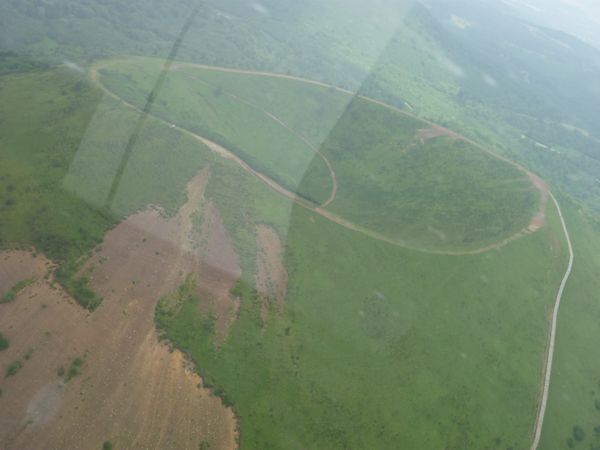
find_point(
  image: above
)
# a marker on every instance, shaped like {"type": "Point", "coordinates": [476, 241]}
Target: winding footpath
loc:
{"type": "Point", "coordinates": [539, 422]}
{"type": "Point", "coordinates": [228, 154]}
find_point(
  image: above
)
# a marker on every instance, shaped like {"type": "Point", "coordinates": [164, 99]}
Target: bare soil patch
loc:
{"type": "Point", "coordinates": [539, 219]}
{"type": "Point", "coordinates": [271, 276]}
{"type": "Point", "coordinates": [218, 270]}
{"type": "Point", "coordinates": [132, 390]}
{"type": "Point", "coordinates": [433, 132]}
{"type": "Point", "coordinates": [18, 265]}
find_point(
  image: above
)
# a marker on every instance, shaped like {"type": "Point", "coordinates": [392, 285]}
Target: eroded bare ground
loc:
{"type": "Point", "coordinates": [18, 265]}
{"type": "Point", "coordinates": [132, 390]}
{"type": "Point", "coordinates": [271, 277]}
{"type": "Point", "coordinates": [539, 219]}
{"type": "Point", "coordinates": [218, 271]}
{"type": "Point", "coordinates": [434, 131]}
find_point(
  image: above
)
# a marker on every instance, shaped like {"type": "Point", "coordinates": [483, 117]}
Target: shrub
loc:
{"type": "Point", "coordinates": [107, 445]}
{"type": "Point", "coordinates": [4, 342]}
{"type": "Point", "coordinates": [13, 368]}
{"type": "Point", "coordinates": [578, 433]}
{"type": "Point", "coordinates": [10, 295]}
{"type": "Point", "coordinates": [74, 369]}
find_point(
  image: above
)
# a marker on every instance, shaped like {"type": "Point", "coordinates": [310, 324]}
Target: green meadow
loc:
{"type": "Point", "coordinates": [377, 346]}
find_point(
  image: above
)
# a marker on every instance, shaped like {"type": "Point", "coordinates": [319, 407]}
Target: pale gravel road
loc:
{"type": "Point", "coordinates": [537, 431]}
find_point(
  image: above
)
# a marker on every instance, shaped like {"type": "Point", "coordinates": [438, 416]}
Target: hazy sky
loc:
{"type": "Point", "coordinates": [578, 17]}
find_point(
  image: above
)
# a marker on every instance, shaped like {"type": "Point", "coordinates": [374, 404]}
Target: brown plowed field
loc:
{"type": "Point", "coordinates": [131, 390]}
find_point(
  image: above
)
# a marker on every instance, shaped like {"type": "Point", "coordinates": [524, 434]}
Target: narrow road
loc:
{"type": "Point", "coordinates": [537, 430]}
{"type": "Point", "coordinates": [226, 153]}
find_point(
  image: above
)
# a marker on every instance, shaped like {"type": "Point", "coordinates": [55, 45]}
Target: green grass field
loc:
{"type": "Point", "coordinates": [377, 346]}
{"type": "Point", "coordinates": [381, 347]}
{"type": "Point", "coordinates": [59, 149]}
{"type": "Point", "coordinates": [438, 194]}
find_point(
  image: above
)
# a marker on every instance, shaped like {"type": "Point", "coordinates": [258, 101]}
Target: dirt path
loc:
{"type": "Point", "coordinates": [225, 153]}
{"type": "Point", "coordinates": [539, 422]}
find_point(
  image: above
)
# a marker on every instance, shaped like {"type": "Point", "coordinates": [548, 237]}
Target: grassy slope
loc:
{"type": "Point", "coordinates": [575, 383]}
{"type": "Point", "coordinates": [43, 117]}
{"type": "Point", "coordinates": [380, 347]}
{"type": "Point", "coordinates": [343, 356]}
{"type": "Point", "coordinates": [59, 149]}
{"type": "Point", "coordinates": [437, 194]}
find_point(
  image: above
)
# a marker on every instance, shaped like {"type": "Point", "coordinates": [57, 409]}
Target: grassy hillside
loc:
{"type": "Point", "coordinates": [377, 346]}
{"type": "Point", "coordinates": [60, 145]}
{"type": "Point", "coordinates": [436, 193]}
{"type": "Point", "coordinates": [396, 175]}
{"type": "Point", "coordinates": [380, 347]}
{"type": "Point", "coordinates": [43, 118]}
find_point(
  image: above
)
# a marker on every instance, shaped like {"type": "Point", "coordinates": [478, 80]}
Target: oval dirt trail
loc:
{"type": "Point", "coordinates": [272, 184]}
{"type": "Point", "coordinates": [536, 222]}
{"type": "Point", "coordinates": [132, 390]}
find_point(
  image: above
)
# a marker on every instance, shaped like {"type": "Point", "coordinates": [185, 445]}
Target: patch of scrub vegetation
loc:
{"type": "Point", "coordinates": [74, 369]}
{"type": "Point", "coordinates": [14, 291]}
{"type": "Point", "coordinates": [27, 356]}
{"type": "Point", "coordinates": [170, 305]}
{"type": "Point", "coordinates": [4, 342]}
{"type": "Point", "coordinates": [13, 368]}
{"type": "Point", "coordinates": [574, 397]}
{"type": "Point", "coordinates": [107, 445]}
{"type": "Point", "coordinates": [77, 285]}
{"type": "Point", "coordinates": [379, 345]}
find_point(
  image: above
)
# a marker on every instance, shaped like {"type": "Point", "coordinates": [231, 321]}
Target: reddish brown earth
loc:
{"type": "Point", "coordinates": [132, 390]}
{"type": "Point", "coordinates": [433, 132]}
{"type": "Point", "coordinates": [539, 219]}
{"type": "Point", "coordinates": [18, 265]}
{"type": "Point", "coordinates": [271, 277]}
